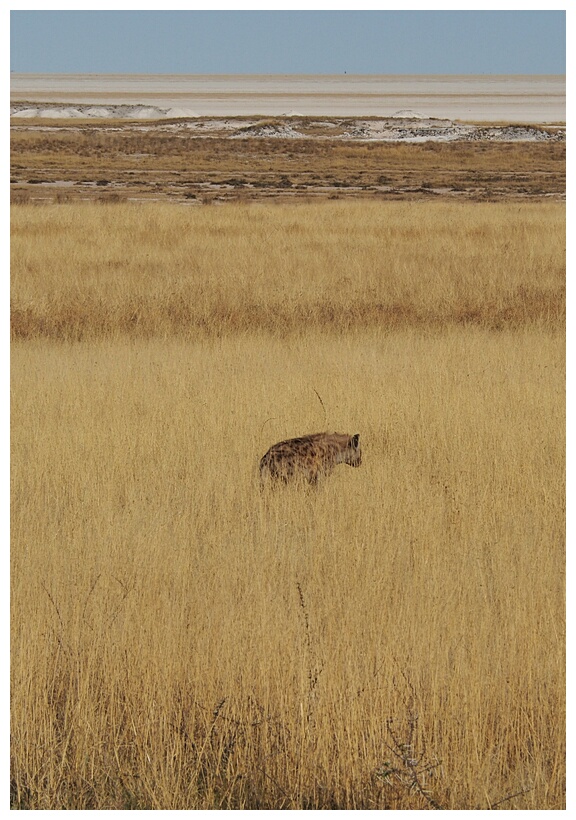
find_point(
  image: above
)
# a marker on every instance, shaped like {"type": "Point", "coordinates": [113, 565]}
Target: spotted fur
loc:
{"type": "Point", "coordinates": [309, 458]}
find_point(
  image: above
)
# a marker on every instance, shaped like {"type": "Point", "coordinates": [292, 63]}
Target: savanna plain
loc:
{"type": "Point", "coordinates": [390, 639]}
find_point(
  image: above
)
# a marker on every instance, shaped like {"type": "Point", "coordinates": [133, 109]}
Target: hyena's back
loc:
{"type": "Point", "coordinates": [310, 457]}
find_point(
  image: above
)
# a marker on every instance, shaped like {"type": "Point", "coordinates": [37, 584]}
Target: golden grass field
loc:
{"type": "Point", "coordinates": [392, 639]}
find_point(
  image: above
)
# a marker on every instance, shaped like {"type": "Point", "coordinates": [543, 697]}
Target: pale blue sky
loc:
{"type": "Point", "coordinates": [289, 42]}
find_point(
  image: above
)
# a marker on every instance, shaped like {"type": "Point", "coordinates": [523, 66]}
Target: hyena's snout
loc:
{"type": "Point", "coordinates": [355, 460]}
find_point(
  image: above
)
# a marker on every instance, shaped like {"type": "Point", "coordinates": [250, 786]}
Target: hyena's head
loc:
{"type": "Point", "coordinates": [353, 453]}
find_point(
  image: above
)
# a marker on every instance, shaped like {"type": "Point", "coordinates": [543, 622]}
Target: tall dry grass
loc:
{"type": "Point", "coordinates": [393, 640]}
{"type": "Point", "coordinates": [84, 272]}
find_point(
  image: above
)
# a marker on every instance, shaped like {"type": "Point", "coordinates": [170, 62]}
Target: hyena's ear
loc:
{"type": "Point", "coordinates": [356, 441]}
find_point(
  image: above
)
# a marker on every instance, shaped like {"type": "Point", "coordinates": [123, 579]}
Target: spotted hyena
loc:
{"type": "Point", "coordinates": [310, 457]}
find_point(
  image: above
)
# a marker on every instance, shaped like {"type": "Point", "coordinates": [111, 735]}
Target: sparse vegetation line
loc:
{"type": "Point", "coordinates": [158, 162]}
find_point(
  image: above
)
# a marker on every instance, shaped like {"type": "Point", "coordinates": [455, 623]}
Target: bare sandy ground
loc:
{"type": "Point", "coordinates": [530, 99]}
